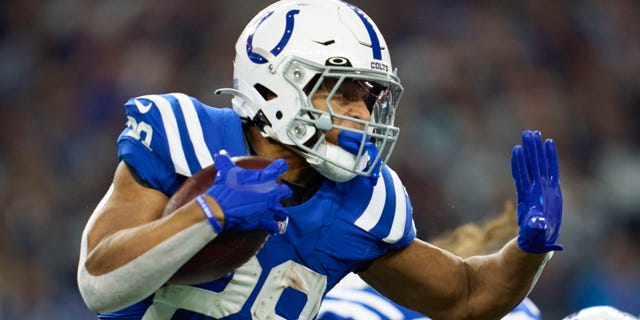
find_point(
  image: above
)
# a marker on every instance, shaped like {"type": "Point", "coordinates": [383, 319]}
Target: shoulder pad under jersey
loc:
{"type": "Point", "coordinates": [170, 136]}
{"type": "Point", "coordinates": [388, 214]}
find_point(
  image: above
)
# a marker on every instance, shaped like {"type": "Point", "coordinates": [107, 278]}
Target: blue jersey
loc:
{"type": "Point", "coordinates": [169, 137]}
{"type": "Point", "coordinates": [353, 299]}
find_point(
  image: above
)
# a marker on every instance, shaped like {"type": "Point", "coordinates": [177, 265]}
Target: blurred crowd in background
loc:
{"type": "Point", "coordinates": [476, 74]}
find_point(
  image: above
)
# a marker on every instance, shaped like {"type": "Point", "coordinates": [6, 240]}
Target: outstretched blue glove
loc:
{"type": "Point", "coordinates": [534, 167]}
{"type": "Point", "coordinates": [249, 198]}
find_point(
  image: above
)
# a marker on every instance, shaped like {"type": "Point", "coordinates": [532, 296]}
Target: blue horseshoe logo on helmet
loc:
{"type": "Point", "coordinates": [288, 31]}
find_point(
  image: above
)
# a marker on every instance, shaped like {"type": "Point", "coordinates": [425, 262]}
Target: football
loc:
{"type": "Point", "coordinates": [231, 248]}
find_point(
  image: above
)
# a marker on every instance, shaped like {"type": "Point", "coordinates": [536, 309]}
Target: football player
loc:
{"type": "Point", "coordinates": [315, 91]}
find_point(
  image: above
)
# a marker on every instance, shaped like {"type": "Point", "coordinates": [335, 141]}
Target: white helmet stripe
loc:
{"type": "Point", "coordinates": [375, 41]}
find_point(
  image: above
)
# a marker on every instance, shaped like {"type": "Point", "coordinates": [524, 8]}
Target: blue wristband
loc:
{"type": "Point", "coordinates": [202, 202]}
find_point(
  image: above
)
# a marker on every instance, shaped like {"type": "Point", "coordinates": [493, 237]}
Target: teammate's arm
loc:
{"type": "Point", "coordinates": [129, 250]}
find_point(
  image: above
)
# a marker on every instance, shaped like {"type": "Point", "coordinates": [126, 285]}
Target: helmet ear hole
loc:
{"type": "Point", "coordinates": [265, 92]}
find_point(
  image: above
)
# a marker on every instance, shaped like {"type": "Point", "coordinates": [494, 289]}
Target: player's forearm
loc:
{"type": "Point", "coordinates": [500, 281]}
{"type": "Point", "coordinates": [424, 278]}
{"type": "Point", "coordinates": [124, 246]}
{"type": "Point", "coordinates": [131, 264]}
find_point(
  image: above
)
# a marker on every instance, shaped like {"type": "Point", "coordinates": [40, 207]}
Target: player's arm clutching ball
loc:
{"type": "Point", "coordinates": [130, 248]}
{"type": "Point", "coordinates": [249, 199]}
{"type": "Point", "coordinates": [246, 195]}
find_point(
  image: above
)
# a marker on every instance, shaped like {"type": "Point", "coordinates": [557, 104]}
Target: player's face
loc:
{"type": "Point", "coordinates": [348, 100]}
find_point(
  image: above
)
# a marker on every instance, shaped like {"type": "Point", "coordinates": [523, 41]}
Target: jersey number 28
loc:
{"type": "Point", "coordinates": [235, 295]}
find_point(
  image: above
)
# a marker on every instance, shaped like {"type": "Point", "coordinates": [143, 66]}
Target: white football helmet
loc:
{"type": "Point", "coordinates": [600, 313]}
{"type": "Point", "coordinates": [291, 49]}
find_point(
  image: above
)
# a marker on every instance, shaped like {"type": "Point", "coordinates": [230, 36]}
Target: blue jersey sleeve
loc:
{"type": "Point", "coordinates": [171, 136]}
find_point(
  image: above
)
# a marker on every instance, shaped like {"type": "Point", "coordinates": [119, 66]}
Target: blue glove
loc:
{"type": "Point", "coordinates": [534, 168]}
{"type": "Point", "coordinates": [249, 198]}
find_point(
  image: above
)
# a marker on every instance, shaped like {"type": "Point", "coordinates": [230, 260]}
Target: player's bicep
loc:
{"type": "Point", "coordinates": [127, 204]}
{"type": "Point", "coordinates": [421, 277]}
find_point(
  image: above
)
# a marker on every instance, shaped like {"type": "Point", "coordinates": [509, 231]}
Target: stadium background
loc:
{"type": "Point", "coordinates": [476, 74]}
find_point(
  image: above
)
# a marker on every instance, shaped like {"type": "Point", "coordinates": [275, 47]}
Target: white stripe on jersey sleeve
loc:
{"type": "Point", "coordinates": [194, 127]}
{"type": "Point", "coordinates": [400, 216]}
{"type": "Point", "coordinates": [367, 299]}
{"type": "Point", "coordinates": [373, 212]}
{"type": "Point", "coordinates": [173, 134]}
{"type": "Point", "coordinates": [529, 305]}
{"type": "Point", "coordinates": [347, 310]}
